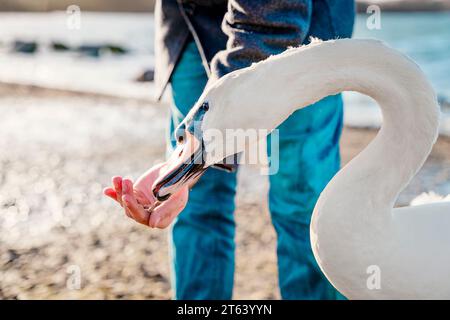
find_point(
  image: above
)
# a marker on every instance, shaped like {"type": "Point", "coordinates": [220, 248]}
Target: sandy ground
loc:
{"type": "Point", "coordinates": [58, 150]}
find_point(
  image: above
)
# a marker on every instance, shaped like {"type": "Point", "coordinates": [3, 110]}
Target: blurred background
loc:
{"type": "Point", "coordinates": [77, 107]}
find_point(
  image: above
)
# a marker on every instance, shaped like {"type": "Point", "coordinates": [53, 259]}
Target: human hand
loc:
{"type": "Point", "coordinates": [136, 198]}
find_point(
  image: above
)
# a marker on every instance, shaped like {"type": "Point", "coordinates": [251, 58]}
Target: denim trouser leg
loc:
{"type": "Point", "coordinates": [202, 236]}
{"type": "Point", "coordinates": [309, 158]}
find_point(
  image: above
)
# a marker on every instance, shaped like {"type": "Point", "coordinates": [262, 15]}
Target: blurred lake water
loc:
{"type": "Point", "coordinates": [72, 70]}
{"type": "Point", "coordinates": [424, 36]}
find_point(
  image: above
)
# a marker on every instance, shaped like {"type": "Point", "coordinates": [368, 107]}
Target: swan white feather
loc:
{"type": "Point", "coordinates": [354, 225]}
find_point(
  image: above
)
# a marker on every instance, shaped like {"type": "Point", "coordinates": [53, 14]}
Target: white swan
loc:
{"type": "Point", "coordinates": [354, 229]}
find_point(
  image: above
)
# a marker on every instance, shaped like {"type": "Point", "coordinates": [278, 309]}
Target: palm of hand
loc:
{"type": "Point", "coordinates": [134, 198]}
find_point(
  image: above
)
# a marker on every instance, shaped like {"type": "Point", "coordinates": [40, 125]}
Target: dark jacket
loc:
{"type": "Point", "coordinates": [233, 34]}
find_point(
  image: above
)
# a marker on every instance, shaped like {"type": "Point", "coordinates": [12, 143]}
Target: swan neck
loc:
{"type": "Point", "coordinates": [267, 93]}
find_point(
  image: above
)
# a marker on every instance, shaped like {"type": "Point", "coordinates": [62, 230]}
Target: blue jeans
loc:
{"type": "Point", "coordinates": [202, 237]}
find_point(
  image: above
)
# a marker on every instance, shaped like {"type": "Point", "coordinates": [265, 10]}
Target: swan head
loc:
{"type": "Point", "coordinates": [222, 124]}
{"type": "Point", "coordinates": [233, 113]}
{"type": "Point", "coordinates": [187, 162]}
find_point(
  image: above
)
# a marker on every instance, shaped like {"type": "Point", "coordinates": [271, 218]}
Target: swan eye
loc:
{"type": "Point", "coordinates": [180, 133]}
{"type": "Point", "coordinates": [205, 106]}
{"type": "Point", "coordinates": [193, 124]}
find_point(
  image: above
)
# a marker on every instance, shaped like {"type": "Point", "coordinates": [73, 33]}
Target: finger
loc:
{"type": "Point", "coordinates": [127, 213]}
{"type": "Point", "coordinates": [165, 213]}
{"type": "Point", "coordinates": [110, 192]}
{"type": "Point", "coordinates": [117, 183]}
{"type": "Point", "coordinates": [136, 210]}
{"type": "Point", "coordinates": [125, 208]}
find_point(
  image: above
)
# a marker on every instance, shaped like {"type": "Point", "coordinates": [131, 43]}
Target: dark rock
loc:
{"type": "Point", "coordinates": [90, 50]}
{"type": "Point", "coordinates": [12, 255]}
{"type": "Point", "coordinates": [96, 242]}
{"type": "Point", "coordinates": [59, 46]}
{"type": "Point", "coordinates": [96, 50]}
{"type": "Point", "coordinates": [115, 49]}
{"type": "Point", "coordinates": [28, 47]}
{"type": "Point", "coordinates": [146, 76]}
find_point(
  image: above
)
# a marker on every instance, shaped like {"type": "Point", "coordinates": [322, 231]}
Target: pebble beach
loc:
{"type": "Point", "coordinates": [59, 149]}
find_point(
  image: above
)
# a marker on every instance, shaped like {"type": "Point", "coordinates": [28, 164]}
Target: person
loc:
{"type": "Point", "coordinates": [199, 41]}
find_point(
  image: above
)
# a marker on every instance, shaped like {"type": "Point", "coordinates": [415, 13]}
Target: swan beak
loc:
{"type": "Point", "coordinates": [184, 168]}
